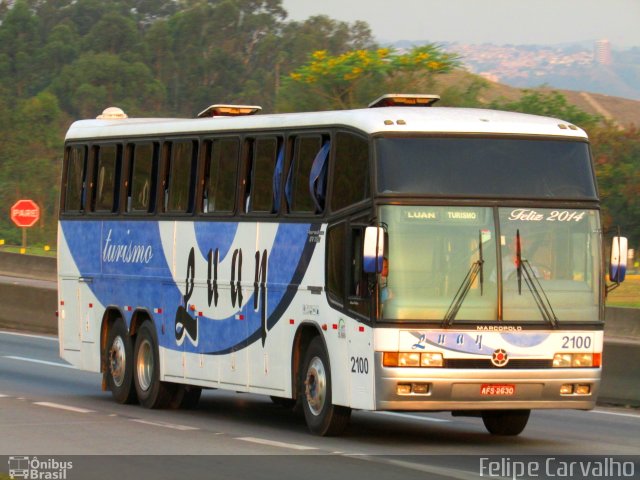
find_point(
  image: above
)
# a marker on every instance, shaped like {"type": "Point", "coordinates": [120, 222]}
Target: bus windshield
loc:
{"type": "Point", "coordinates": [488, 167]}
{"type": "Point", "coordinates": [449, 264]}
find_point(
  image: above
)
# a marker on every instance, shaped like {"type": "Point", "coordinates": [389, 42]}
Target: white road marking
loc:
{"type": "Point", "coordinates": [442, 472]}
{"type": "Point", "coordinates": [173, 426]}
{"type": "Point", "coordinates": [29, 335]}
{"type": "Point", "coordinates": [604, 412]}
{"type": "Point", "coordinates": [273, 443]}
{"type": "Point", "coordinates": [42, 362]}
{"type": "Point", "coordinates": [414, 417]}
{"type": "Point", "coordinates": [64, 407]}
{"type": "Point", "coordinates": [3, 395]}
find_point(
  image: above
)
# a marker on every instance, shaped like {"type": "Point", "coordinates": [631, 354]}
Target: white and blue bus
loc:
{"type": "Point", "coordinates": [396, 258]}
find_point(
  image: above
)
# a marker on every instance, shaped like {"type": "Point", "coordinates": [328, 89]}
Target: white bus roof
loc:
{"type": "Point", "coordinates": [377, 120]}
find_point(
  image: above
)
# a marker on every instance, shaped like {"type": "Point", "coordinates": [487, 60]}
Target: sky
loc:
{"type": "Point", "coordinates": [499, 22]}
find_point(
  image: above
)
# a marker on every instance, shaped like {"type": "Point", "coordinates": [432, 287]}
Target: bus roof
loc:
{"type": "Point", "coordinates": [371, 121]}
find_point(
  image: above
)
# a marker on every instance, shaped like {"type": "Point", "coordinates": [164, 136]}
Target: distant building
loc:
{"type": "Point", "coordinates": [602, 52]}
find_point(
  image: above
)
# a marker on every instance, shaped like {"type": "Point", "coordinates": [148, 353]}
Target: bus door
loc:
{"type": "Point", "coordinates": [69, 319]}
{"type": "Point", "coordinates": [86, 309]}
{"type": "Point", "coordinates": [360, 300]}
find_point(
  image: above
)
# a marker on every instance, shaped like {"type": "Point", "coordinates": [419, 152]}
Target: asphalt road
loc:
{"type": "Point", "coordinates": [28, 282]}
{"type": "Point", "coordinates": [51, 410]}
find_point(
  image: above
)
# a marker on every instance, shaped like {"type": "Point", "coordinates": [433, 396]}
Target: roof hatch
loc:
{"type": "Point", "coordinates": [405, 100]}
{"type": "Point", "coordinates": [220, 110]}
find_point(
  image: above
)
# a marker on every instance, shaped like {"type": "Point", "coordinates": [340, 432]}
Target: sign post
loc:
{"type": "Point", "coordinates": [25, 213]}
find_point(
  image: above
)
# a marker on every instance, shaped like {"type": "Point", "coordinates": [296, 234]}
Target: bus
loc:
{"type": "Point", "coordinates": [402, 257]}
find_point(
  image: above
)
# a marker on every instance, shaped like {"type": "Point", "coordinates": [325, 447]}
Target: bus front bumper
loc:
{"type": "Point", "coordinates": [484, 389]}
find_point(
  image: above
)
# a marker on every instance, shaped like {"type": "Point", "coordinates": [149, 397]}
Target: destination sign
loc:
{"type": "Point", "coordinates": [442, 215]}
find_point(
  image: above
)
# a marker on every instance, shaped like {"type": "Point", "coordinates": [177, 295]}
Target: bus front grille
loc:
{"type": "Point", "coordinates": [518, 363]}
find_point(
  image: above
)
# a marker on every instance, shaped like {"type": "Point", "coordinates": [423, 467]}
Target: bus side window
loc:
{"type": "Point", "coordinates": [306, 182]}
{"type": "Point", "coordinates": [221, 171]}
{"type": "Point", "coordinates": [358, 281]}
{"type": "Point", "coordinates": [106, 177]}
{"type": "Point", "coordinates": [261, 176]}
{"type": "Point", "coordinates": [351, 171]}
{"type": "Point", "coordinates": [336, 258]}
{"type": "Point", "coordinates": [141, 175]}
{"type": "Point", "coordinates": [359, 287]}
{"type": "Point", "coordinates": [179, 185]}
{"type": "Point", "coordinates": [277, 178]}
{"type": "Point", "coordinates": [246, 186]}
{"type": "Point", "coordinates": [75, 192]}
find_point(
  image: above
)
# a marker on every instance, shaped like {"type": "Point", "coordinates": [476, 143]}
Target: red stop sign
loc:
{"type": "Point", "coordinates": [25, 213]}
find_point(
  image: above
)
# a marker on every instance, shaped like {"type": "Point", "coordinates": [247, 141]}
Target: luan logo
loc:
{"type": "Point", "coordinates": [418, 215]}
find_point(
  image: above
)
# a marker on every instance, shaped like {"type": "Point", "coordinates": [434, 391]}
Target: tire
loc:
{"type": "Point", "coordinates": [152, 393]}
{"type": "Point", "coordinates": [505, 422]}
{"type": "Point", "coordinates": [119, 358]}
{"type": "Point", "coordinates": [322, 417]}
{"type": "Point", "coordinates": [185, 397]}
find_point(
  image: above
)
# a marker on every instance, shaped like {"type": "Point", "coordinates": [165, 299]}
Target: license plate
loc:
{"type": "Point", "coordinates": [493, 390]}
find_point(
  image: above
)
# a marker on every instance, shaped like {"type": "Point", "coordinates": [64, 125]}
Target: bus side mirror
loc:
{"type": "Point", "coordinates": [373, 249]}
{"type": "Point", "coordinates": [618, 265]}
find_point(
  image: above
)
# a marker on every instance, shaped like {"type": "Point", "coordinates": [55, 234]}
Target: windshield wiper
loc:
{"type": "Point", "coordinates": [534, 286]}
{"type": "Point", "coordinates": [477, 268]}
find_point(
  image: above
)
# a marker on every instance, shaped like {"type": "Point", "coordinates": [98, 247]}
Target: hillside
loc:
{"type": "Point", "coordinates": [621, 111]}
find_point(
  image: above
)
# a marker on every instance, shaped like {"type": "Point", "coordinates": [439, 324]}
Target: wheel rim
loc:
{"type": "Point", "coordinates": [144, 365]}
{"type": "Point", "coordinates": [316, 386]}
{"type": "Point", "coordinates": [117, 361]}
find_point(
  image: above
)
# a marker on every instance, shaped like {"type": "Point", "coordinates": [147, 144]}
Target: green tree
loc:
{"type": "Point", "coordinates": [113, 33]}
{"type": "Point", "coordinates": [322, 33]}
{"type": "Point", "coordinates": [552, 104]}
{"type": "Point", "coordinates": [221, 47]}
{"type": "Point", "coordinates": [355, 77]}
{"type": "Point", "coordinates": [30, 166]}
{"type": "Point", "coordinates": [465, 92]}
{"type": "Point", "coordinates": [19, 42]}
{"type": "Point", "coordinates": [617, 160]}
{"type": "Point", "coordinates": [96, 81]}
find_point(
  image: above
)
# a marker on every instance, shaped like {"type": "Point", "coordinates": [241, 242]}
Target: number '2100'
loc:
{"type": "Point", "coordinates": [359, 365]}
{"type": "Point", "coordinates": [576, 342]}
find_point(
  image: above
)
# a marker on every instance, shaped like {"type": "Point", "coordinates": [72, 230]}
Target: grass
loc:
{"type": "Point", "coordinates": [627, 294]}
{"type": "Point", "coordinates": [38, 250]}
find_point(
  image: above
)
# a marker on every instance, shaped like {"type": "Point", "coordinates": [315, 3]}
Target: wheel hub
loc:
{"type": "Point", "coordinates": [117, 361]}
{"type": "Point", "coordinates": [144, 365]}
{"type": "Point", "coordinates": [316, 386]}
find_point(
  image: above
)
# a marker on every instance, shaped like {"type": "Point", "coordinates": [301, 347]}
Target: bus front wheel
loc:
{"type": "Point", "coordinates": [505, 422]}
{"type": "Point", "coordinates": [322, 417]}
{"type": "Point", "coordinates": [119, 355]}
{"type": "Point", "coordinates": [152, 393]}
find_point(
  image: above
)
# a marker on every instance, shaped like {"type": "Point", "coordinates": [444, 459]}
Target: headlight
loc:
{"type": "Point", "coordinates": [576, 360]}
{"type": "Point", "coordinates": [409, 359]}
{"type": "Point", "coordinates": [412, 359]}
{"type": "Point", "coordinates": [562, 360]}
{"type": "Point", "coordinates": [582, 360]}
{"type": "Point", "coordinates": [431, 360]}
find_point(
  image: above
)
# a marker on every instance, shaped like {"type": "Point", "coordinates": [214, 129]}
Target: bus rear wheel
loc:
{"type": "Point", "coordinates": [152, 393]}
{"type": "Point", "coordinates": [119, 368]}
{"type": "Point", "coordinates": [505, 422]}
{"type": "Point", "coordinates": [322, 417]}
